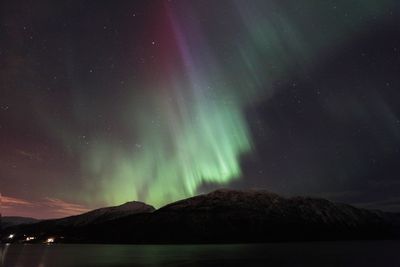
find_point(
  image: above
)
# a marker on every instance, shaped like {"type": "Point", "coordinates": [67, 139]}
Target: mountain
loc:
{"type": "Point", "coordinates": [235, 216]}
{"type": "Point", "coordinates": [7, 221]}
{"type": "Point", "coordinates": [105, 214]}
{"type": "Point", "coordinates": [248, 216]}
{"type": "Point", "coordinates": [67, 224]}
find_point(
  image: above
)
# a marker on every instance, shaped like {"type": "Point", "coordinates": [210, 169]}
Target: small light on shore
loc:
{"type": "Point", "coordinates": [29, 238]}
{"type": "Point", "coordinates": [11, 236]}
{"type": "Point", "coordinates": [50, 240]}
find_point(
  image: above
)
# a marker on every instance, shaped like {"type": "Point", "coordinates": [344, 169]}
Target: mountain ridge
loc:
{"type": "Point", "coordinates": [106, 213]}
{"type": "Point", "coordinates": [226, 216]}
{"type": "Point", "coordinates": [7, 221]}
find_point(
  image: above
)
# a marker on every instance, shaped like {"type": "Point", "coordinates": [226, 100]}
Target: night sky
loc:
{"type": "Point", "coordinates": [103, 102]}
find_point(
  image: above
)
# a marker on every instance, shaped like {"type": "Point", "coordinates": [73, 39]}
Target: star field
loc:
{"type": "Point", "coordinates": [106, 102]}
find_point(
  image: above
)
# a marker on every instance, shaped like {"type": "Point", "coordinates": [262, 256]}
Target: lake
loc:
{"type": "Point", "coordinates": [351, 253]}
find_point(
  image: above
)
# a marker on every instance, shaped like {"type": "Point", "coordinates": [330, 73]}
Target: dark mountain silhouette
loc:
{"type": "Point", "coordinates": [63, 225]}
{"type": "Point", "coordinates": [231, 216]}
{"type": "Point", "coordinates": [105, 214]}
{"type": "Point", "coordinates": [7, 221]}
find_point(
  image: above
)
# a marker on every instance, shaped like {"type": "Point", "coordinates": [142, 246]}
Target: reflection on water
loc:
{"type": "Point", "coordinates": [374, 253]}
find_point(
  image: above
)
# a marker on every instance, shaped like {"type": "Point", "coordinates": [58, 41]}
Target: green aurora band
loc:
{"type": "Point", "coordinates": [188, 122]}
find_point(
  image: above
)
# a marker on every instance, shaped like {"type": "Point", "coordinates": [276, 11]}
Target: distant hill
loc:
{"type": "Point", "coordinates": [63, 225]}
{"type": "Point", "coordinates": [7, 221]}
{"type": "Point", "coordinates": [231, 216]}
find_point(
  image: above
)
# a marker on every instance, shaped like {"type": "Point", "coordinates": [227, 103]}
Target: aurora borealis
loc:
{"type": "Point", "coordinates": [106, 102]}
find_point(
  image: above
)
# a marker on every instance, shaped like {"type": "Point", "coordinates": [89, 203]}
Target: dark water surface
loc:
{"type": "Point", "coordinates": [360, 253]}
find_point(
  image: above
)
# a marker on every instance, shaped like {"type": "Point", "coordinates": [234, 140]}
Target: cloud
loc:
{"type": "Point", "coordinates": [338, 195]}
{"type": "Point", "coordinates": [8, 202]}
{"type": "Point", "coordinates": [28, 154]}
{"type": "Point", "coordinates": [45, 208]}
{"type": "Point", "coordinates": [390, 204]}
{"type": "Point", "coordinates": [62, 207]}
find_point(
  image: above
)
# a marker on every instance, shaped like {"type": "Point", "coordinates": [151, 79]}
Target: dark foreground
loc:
{"type": "Point", "coordinates": [350, 253]}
